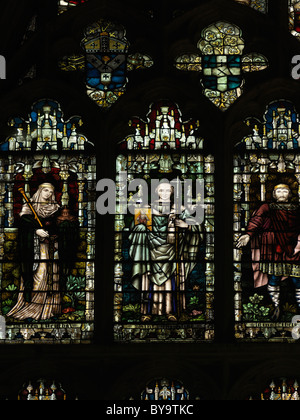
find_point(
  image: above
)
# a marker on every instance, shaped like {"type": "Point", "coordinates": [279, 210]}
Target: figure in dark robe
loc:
{"type": "Point", "coordinates": [274, 233]}
{"type": "Point", "coordinates": [47, 243]}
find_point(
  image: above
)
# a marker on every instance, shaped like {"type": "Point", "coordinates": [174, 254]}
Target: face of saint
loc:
{"type": "Point", "coordinates": [46, 194]}
{"type": "Point", "coordinates": [282, 195]}
{"type": "Point", "coordinates": [164, 192]}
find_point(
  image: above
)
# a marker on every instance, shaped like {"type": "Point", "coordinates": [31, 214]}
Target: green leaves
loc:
{"type": "Point", "coordinates": [254, 311]}
{"type": "Point", "coordinates": [11, 288]}
{"type": "Point", "coordinates": [76, 285]}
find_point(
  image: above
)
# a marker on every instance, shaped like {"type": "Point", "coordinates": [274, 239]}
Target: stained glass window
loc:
{"type": "Point", "coordinates": [294, 18]}
{"type": "Point", "coordinates": [165, 390]}
{"type": "Point", "coordinates": [164, 256]}
{"type": "Point", "coordinates": [47, 223]}
{"type": "Point", "coordinates": [260, 5]}
{"type": "Point", "coordinates": [64, 5]}
{"type": "Point", "coordinates": [106, 62]}
{"type": "Point", "coordinates": [281, 389]}
{"type": "Point", "coordinates": [222, 63]}
{"type": "Point", "coordinates": [42, 390]}
{"type": "Point", "coordinates": [266, 226]}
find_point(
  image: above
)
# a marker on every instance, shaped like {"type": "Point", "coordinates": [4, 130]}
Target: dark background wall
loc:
{"type": "Point", "coordinates": [222, 370]}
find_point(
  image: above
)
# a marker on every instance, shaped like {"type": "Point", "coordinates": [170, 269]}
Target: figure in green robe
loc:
{"type": "Point", "coordinates": [164, 253]}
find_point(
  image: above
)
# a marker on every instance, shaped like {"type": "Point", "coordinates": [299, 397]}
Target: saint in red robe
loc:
{"type": "Point", "coordinates": [275, 241]}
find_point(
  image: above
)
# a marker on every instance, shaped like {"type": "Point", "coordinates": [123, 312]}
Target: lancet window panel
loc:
{"type": "Point", "coordinates": [164, 260]}
{"type": "Point", "coordinates": [266, 226]}
{"type": "Point", "coordinates": [47, 229]}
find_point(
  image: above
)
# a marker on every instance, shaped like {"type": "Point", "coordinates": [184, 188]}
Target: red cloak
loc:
{"type": "Point", "coordinates": [275, 237]}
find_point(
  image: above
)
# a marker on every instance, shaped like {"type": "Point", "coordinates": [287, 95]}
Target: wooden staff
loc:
{"type": "Point", "coordinates": [177, 271]}
{"type": "Point", "coordinates": [21, 190]}
{"type": "Point", "coordinates": [177, 256]}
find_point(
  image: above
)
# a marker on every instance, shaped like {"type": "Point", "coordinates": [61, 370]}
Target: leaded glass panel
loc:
{"type": "Point", "coordinates": [266, 226]}
{"type": "Point", "coordinates": [106, 62]}
{"type": "Point", "coordinates": [164, 258]}
{"type": "Point", "coordinates": [165, 390]}
{"type": "Point", "coordinates": [42, 390]}
{"type": "Point", "coordinates": [47, 228]}
{"type": "Point", "coordinates": [279, 389]}
{"type": "Point", "coordinates": [222, 63]}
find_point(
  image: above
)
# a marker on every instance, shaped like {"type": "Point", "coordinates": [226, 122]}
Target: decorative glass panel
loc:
{"type": "Point", "coordinates": [106, 62]}
{"type": "Point", "coordinates": [280, 390]}
{"type": "Point", "coordinates": [47, 223]}
{"type": "Point", "coordinates": [164, 256]}
{"type": "Point", "coordinates": [294, 18]}
{"type": "Point", "coordinates": [165, 390]}
{"type": "Point", "coordinates": [222, 63]}
{"type": "Point", "coordinates": [260, 5]}
{"type": "Point", "coordinates": [42, 390]}
{"type": "Point", "coordinates": [64, 5]}
{"type": "Point", "coordinates": [266, 226]}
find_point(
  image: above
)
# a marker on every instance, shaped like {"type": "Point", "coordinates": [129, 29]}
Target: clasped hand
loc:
{"type": "Point", "coordinates": [178, 222]}
{"type": "Point", "coordinates": [42, 233]}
